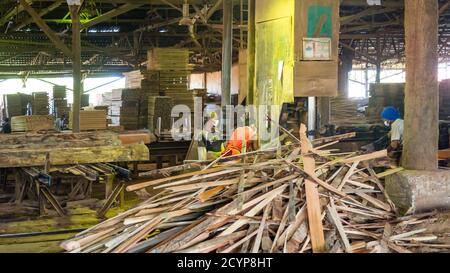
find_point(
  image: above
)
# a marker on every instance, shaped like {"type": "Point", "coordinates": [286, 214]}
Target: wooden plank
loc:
{"type": "Point", "coordinates": [312, 197]}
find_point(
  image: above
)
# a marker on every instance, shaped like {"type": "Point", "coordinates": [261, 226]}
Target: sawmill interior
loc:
{"type": "Point", "coordinates": [141, 126]}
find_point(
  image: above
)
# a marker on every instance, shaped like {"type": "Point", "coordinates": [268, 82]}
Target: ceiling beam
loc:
{"type": "Point", "coordinates": [17, 9]}
{"type": "Point", "coordinates": [110, 14]}
{"type": "Point", "coordinates": [41, 13]}
{"type": "Point", "coordinates": [46, 29]}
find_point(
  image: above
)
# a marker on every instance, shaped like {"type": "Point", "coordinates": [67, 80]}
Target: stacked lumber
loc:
{"type": "Point", "coordinates": [344, 111]}
{"type": "Point", "coordinates": [303, 200]}
{"type": "Point", "coordinates": [383, 95]}
{"type": "Point", "coordinates": [32, 123]}
{"type": "Point", "coordinates": [444, 100]}
{"type": "Point", "coordinates": [91, 120]}
{"type": "Point", "coordinates": [35, 149]}
{"type": "Point", "coordinates": [16, 104]}
{"type": "Point", "coordinates": [168, 74]}
{"type": "Point", "coordinates": [168, 59]}
{"type": "Point", "coordinates": [59, 101]}
{"type": "Point", "coordinates": [39, 103]}
{"type": "Point", "coordinates": [125, 108]}
{"type": "Point", "coordinates": [133, 79]}
{"type": "Point", "coordinates": [159, 108]}
{"type": "Point", "coordinates": [175, 84]}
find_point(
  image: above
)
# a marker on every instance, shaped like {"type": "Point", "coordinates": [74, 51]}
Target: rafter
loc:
{"type": "Point", "coordinates": [46, 29]}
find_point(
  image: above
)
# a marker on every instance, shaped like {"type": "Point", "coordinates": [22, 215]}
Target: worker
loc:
{"type": "Point", "coordinates": [243, 139]}
{"type": "Point", "coordinates": [211, 146]}
{"type": "Point", "coordinates": [394, 140]}
{"type": "Point", "coordinates": [391, 117]}
{"type": "Point", "coordinates": [6, 126]}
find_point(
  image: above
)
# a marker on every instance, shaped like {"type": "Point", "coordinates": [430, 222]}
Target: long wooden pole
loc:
{"type": "Point", "coordinates": [76, 60]}
{"type": "Point", "coordinates": [422, 90]}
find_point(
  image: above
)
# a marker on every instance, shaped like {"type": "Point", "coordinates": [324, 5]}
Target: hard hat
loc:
{"type": "Point", "coordinates": [390, 113]}
{"type": "Point", "coordinates": [213, 115]}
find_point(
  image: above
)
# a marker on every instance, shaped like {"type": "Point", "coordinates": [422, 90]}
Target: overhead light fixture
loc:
{"type": "Point", "coordinates": [163, 30]}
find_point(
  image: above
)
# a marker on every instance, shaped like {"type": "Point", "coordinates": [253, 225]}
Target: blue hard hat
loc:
{"type": "Point", "coordinates": [390, 113]}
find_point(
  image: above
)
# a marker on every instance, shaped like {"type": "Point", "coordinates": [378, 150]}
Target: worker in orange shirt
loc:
{"type": "Point", "coordinates": [243, 139]}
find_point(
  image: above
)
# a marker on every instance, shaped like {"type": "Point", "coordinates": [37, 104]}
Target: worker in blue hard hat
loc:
{"type": "Point", "coordinates": [392, 118]}
{"type": "Point", "coordinates": [393, 141]}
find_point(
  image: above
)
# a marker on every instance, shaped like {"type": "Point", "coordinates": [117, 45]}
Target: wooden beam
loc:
{"type": "Point", "coordinates": [46, 29]}
{"type": "Point", "coordinates": [420, 144]}
{"type": "Point", "coordinates": [76, 63]}
{"type": "Point", "coordinates": [12, 12]}
{"type": "Point", "coordinates": [41, 13]}
{"type": "Point", "coordinates": [13, 158]}
{"type": "Point", "coordinates": [110, 14]}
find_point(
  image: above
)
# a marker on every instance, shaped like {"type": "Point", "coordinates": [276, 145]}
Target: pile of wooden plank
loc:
{"type": "Point", "coordinates": [91, 120]}
{"type": "Point", "coordinates": [39, 103]}
{"type": "Point", "coordinates": [32, 123]}
{"type": "Point", "coordinates": [35, 149]}
{"type": "Point", "coordinates": [159, 113]}
{"type": "Point", "coordinates": [383, 95]}
{"type": "Point", "coordinates": [168, 59]}
{"type": "Point", "coordinates": [168, 74]}
{"type": "Point", "coordinates": [303, 200]}
{"type": "Point", "coordinates": [133, 79]}
{"type": "Point", "coordinates": [16, 104]}
{"type": "Point", "coordinates": [125, 108]}
{"type": "Point", "coordinates": [59, 102]}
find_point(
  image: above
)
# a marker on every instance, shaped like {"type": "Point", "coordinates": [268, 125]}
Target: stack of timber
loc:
{"type": "Point", "coordinates": [344, 111]}
{"type": "Point", "coordinates": [125, 108]}
{"type": "Point", "coordinates": [59, 102]}
{"type": "Point", "coordinates": [91, 120]}
{"type": "Point", "coordinates": [383, 95]}
{"type": "Point", "coordinates": [168, 59]}
{"type": "Point", "coordinates": [32, 123]}
{"type": "Point", "coordinates": [16, 104]}
{"type": "Point", "coordinates": [169, 69]}
{"type": "Point", "coordinates": [444, 100]}
{"type": "Point", "coordinates": [303, 200]}
{"type": "Point", "coordinates": [159, 114]}
{"type": "Point", "coordinates": [133, 79]}
{"type": "Point", "coordinates": [39, 103]}
{"type": "Point", "coordinates": [27, 150]}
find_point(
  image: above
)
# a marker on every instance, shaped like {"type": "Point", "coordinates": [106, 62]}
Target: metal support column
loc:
{"type": "Point", "coordinates": [76, 60]}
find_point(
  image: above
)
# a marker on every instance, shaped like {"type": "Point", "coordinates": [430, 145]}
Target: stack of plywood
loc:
{"type": "Point", "coordinates": [59, 101]}
{"type": "Point", "coordinates": [383, 95]}
{"type": "Point", "coordinates": [32, 123]}
{"type": "Point", "coordinates": [125, 108]}
{"type": "Point", "coordinates": [175, 84]}
{"type": "Point", "coordinates": [159, 109]}
{"type": "Point", "coordinates": [40, 103]}
{"type": "Point", "coordinates": [91, 120]}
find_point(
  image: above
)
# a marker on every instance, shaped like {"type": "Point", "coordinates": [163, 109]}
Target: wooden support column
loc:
{"type": "Point", "coordinates": [345, 67]}
{"type": "Point", "coordinates": [421, 103]}
{"type": "Point", "coordinates": [227, 51]}
{"type": "Point", "coordinates": [76, 62]}
{"type": "Point", "coordinates": [251, 52]}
